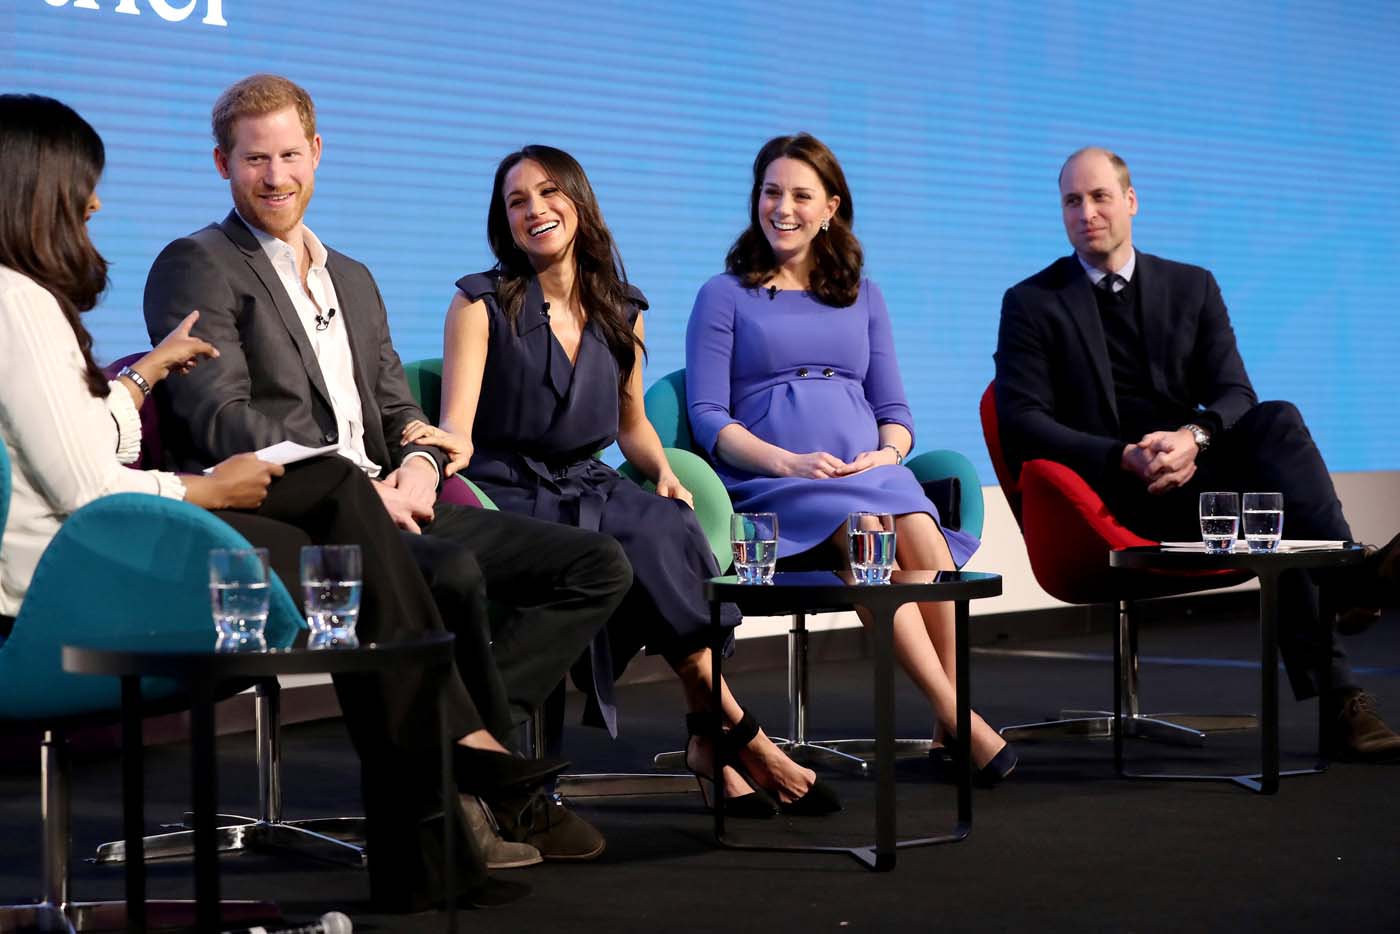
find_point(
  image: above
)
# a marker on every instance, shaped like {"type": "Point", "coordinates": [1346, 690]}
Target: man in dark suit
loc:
{"type": "Point", "coordinates": [305, 356]}
{"type": "Point", "coordinates": [1124, 367]}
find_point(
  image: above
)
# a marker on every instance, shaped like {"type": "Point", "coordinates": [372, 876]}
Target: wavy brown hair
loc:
{"type": "Point", "coordinates": [600, 281]}
{"type": "Point", "coordinates": [51, 159]}
{"type": "Point", "coordinates": [835, 278]}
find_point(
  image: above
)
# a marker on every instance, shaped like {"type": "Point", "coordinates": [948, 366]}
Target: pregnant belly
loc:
{"type": "Point", "coordinates": [813, 415]}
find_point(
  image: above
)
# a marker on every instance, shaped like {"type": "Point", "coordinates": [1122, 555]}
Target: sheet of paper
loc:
{"type": "Point", "coordinates": [1287, 545]}
{"type": "Point", "coordinates": [287, 452]}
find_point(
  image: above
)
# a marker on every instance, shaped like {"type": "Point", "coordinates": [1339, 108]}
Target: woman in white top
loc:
{"type": "Point", "coordinates": [69, 432]}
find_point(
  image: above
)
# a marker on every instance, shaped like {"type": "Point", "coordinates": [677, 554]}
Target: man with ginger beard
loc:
{"type": "Point", "coordinates": [1123, 366]}
{"type": "Point", "coordinates": [306, 356]}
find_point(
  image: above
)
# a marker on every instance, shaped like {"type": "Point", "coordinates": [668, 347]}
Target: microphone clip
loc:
{"type": "Point", "coordinates": [324, 321]}
{"type": "Point", "coordinates": [772, 292]}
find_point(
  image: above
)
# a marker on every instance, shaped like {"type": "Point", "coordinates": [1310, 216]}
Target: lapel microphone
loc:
{"type": "Point", "coordinates": [324, 321]}
{"type": "Point", "coordinates": [544, 310]}
{"type": "Point", "coordinates": [772, 292]}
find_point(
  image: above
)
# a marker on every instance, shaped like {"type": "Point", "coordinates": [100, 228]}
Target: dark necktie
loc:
{"type": "Point", "coordinates": [1109, 285]}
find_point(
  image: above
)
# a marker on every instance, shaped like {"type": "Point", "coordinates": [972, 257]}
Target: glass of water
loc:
{"type": "Point", "coordinates": [1220, 521]}
{"type": "Point", "coordinates": [1263, 521]}
{"type": "Point", "coordinates": [754, 537]}
{"type": "Point", "coordinates": [238, 597]}
{"type": "Point", "coordinates": [331, 582]}
{"type": "Point", "coordinates": [870, 536]}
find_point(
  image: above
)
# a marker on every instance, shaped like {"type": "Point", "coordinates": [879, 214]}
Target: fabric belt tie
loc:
{"type": "Point", "coordinates": [557, 494]}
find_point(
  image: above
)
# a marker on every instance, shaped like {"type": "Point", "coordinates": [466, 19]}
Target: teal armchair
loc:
{"type": "Point", "coordinates": [127, 563]}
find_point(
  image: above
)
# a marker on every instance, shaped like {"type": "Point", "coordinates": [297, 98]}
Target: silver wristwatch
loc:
{"type": "Point", "coordinates": [1200, 434]}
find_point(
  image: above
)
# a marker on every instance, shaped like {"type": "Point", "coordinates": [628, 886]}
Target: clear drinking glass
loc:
{"type": "Point", "coordinates": [1220, 521]}
{"type": "Point", "coordinates": [1263, 521]}
{"type": "Point", "coordinates": [238, 596]}
{"type": "Point", "coordinates": [870, 536]}
{"type": "Point", "coordinates": [754, 537]}
{"type": "Point", "coordinates": [331, 582]}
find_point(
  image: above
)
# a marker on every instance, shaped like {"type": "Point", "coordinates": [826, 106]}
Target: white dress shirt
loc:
{"type": "Point", "coordinates": [1125, 274]}
{"type": "Point", "coordinates": [66, 447]}
{"type": "Point", "coordinates": [331, 343]}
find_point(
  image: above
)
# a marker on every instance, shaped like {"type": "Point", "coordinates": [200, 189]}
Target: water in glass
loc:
{"type": "Point", "coordinates": [753, 536]}
{"type": "Point", "coordinates": [1263, 521]}
{"type": "Point", "coordinates": [1220, 521]}
{"type": "Point", "coordinates": [331, 582]}
{"type": "Point", "coordinates": [239, 595]}
{"type": "Point", "coordinates": [872, 555]}
{"type": "Point", "coordinates": [240, 608]}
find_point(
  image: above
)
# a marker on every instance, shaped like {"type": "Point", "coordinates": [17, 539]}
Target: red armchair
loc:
{"type": "Point", "coordinates": [1069, 533]}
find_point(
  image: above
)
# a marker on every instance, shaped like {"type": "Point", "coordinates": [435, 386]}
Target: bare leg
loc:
{"type": "Point", "coordinates": [923, 547]}
{"type": "Point", "coordinates": [481, 739]}
{"type": "Point", "coordinates": [765, 761]}
{"type": "Point", "coordinates": [925, 651]}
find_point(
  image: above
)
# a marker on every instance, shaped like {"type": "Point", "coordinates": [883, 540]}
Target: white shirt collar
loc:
{"type": "Point", "coordinates": [277, 249]}
{"type": "Point", "coordinates": [1096, 274]}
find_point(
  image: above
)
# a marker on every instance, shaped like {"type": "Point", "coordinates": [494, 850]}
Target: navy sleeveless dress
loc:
{"type": "Point", "coordinates": [539, 421]}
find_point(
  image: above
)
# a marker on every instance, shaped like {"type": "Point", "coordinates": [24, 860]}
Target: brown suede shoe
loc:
{"type": "Point", "coordinates": [1356, 733]}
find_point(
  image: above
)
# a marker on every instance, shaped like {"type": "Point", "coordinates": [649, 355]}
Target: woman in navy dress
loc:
{"type": "Point", "coordinates": [794, 392]}
{"type": "Point", "coordinates": [541, 370]}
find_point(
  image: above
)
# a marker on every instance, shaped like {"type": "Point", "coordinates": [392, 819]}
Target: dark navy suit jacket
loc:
{"type": "Point", "coordinates": [1054, 383]}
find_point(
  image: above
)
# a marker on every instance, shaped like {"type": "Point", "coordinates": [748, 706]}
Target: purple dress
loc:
{"type": "Point", "coordinates": [806, 377]}
{"type": "Point", "coordinates": [539, 421]}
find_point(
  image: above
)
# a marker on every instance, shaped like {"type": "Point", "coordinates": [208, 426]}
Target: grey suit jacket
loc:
{"type": "Point", "coordinates": [1054, 383]}
{"type": "Point", "coordinates": [266, 385]}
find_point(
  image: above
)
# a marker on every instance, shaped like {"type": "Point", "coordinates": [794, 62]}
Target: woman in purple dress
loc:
{"type": "Point", "coordinates": [542, 369]}
{"type": "Point", "coordinates": [794, 393]}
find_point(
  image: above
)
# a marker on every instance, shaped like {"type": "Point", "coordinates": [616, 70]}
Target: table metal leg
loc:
{"type": "Point", "coordinates": [449, 814]}
{"type": "Point", "coordinates": [1268, 683]}
{"type": "Point", "coordinates": [882, 632]}
{"type": "Point", "coordinates": [717, 704]}
{"type": "Point", "coordinates": [133, 803]}
{"type": "Point", "coordinates": [964, 687]}
{"type": "Point", "coordinates": [204, 777]}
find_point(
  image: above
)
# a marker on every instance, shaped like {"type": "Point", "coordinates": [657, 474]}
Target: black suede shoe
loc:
{"type": "Point", "coordinates": [1359, 592]}
{"type": "Point", "coordinates": [485, 772]}
{"type": "Point", "coordinates": [1354, 732]}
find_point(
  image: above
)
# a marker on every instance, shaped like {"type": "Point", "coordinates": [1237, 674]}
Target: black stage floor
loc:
{"type": "Point", "coordinates": [1064, 845]}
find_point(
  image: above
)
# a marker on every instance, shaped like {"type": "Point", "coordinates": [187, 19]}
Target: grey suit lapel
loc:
{"type": "Point", "coordinates": [1077, 296]}
{"type": "Point", "coordinates": [243, 238]}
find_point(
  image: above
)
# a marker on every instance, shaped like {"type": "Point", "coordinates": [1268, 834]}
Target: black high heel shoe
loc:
{"type": "Point", "coordinates": [997, 769]}
{"type": "Point", "coordinates": [818, 800]}
{"type": "Point", "coordinates": [756, 804]}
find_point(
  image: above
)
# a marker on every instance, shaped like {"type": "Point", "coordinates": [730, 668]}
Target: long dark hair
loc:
{"type": "Point", "coordinates": [50, 160]}
{"type": "Point", "coordinates": [600, 281]}
{"type": "Point", "coordinates": [835, 278]}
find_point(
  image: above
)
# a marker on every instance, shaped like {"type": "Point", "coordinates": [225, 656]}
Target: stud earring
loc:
{"type": "Point", "coordinates": [826, 223]}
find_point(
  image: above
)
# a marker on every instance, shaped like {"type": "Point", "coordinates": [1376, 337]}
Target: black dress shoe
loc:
{"type": "Point", "coordinates": [486, 772]}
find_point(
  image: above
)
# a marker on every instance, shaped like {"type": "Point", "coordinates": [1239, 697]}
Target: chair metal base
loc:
{"type": "Point", "coordinates": [622, 784]}
{"type": "Point", "coordinates": [337, 840]}
{"type": "Point", "coordinates": [1177, 728]}
{"type": "Point", "coordinates": [111, 916]}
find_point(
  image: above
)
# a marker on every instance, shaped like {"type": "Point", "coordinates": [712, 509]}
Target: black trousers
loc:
{"type": "Point", "coordinates": [550, 587]}
{"type": "Point", "coordinates": [390, 717]}
{"type": "Point", "coordinates": [1268, 450]}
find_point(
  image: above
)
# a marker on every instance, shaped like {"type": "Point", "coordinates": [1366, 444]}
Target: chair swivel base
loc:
{"type": "Point", "coordinates": [1178, 728]}
{"type": "Point", "coordinates": [332, 839]}
{"type": "Point", "coordinates": [623, 784]}
{"type": "Point", "coordinates": [112, 916]}
{"type": "Point", "coordinates": [855, 755]}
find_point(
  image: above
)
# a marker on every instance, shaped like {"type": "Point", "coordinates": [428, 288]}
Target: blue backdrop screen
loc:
{"type": "Point", "coordinates": [1262, 140]}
